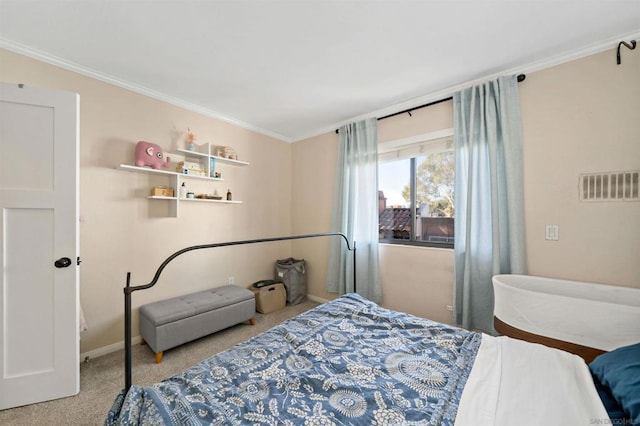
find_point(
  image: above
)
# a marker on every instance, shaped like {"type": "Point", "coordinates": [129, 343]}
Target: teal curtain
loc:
{"type": "Point", "coordinates": [355, 212]}
{"type": "Point", "coordinates": [489, 205]}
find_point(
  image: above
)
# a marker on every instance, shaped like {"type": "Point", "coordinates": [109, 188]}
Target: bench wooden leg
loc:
{"type": "Point", "coordinates": [252, 321]}
{"type": "Point", "coordinates": [142, 342]}
{"type": "Point", "coordinates": [158, 357]}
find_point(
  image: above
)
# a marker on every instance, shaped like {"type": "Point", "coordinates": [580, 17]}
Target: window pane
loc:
{"type": "Point", "coordinates": [434, 182]}
{"type": "Point", "coordinates": [394, 203]}
{"type": "Point", "coordinates": [416, 203]}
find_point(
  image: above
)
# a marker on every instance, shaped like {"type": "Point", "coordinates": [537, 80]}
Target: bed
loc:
{"type": "Point", "coordinates": [351, 361]}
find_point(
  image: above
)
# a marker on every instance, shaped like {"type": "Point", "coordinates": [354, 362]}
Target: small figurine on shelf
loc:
{"type": "Point", "coordinates": [228, 195]}
{"type": "Point", "coordinates": [191, 137]}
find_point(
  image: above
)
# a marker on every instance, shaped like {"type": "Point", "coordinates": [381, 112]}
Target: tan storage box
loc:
{"type": "Point", "coordinates": [162, 191]}
{"type": "Point", "coordinates": [270, 298]}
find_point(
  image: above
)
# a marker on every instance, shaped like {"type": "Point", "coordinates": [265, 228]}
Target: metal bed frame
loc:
{"type": "Point", "coordinates": [130, 289]}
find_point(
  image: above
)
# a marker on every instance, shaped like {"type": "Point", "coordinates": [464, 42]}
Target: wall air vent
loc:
{"type": "Point", "coordinates": [610, 186]}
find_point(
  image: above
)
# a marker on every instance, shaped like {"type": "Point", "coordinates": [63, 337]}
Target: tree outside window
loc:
{"type": "Point", "coordinates": [434, 184]}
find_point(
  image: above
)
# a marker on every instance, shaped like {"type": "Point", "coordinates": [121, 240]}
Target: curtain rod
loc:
{"type": "Point", "coordinates": [520, 78]}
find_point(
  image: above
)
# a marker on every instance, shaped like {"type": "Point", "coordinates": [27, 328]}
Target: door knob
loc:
{"type": "Point", "coordinates": [63, 262]}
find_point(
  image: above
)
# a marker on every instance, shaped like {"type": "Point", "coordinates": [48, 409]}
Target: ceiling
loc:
{"type": "Point", "coordinates": [295, 69]}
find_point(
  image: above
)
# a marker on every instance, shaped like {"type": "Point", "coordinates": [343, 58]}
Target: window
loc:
{"type": "Point", "coordinates": [415, 192]}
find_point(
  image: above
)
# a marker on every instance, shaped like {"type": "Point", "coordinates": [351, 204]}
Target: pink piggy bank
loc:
{"type": "Point", "coordinates": [150, 154]}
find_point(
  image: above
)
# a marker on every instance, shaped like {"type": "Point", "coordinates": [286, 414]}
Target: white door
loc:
{"type": "Point", "coordinates": [39, 332]}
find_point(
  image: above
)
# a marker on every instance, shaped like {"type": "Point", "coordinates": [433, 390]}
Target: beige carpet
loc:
{"type": "Point", "coordinates": [102, 378]}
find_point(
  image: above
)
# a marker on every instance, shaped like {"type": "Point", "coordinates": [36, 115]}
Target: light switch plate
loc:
{"type": "Point", "coordinates": [551, 233]}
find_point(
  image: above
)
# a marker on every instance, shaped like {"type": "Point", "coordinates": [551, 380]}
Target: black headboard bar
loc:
{"type": "Point", "coordinates": [129, 289]}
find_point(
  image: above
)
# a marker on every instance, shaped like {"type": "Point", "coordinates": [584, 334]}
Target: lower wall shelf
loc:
{"type": "Point", "coordinates": [174, 207]}
{"type": "Point", "coordinates": [201, 200]}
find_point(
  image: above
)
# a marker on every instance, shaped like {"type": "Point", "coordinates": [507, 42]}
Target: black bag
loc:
{"type": "Point", "coordinates": [293, 274]}
{"type": "Point", "coordinates": [265, 283]}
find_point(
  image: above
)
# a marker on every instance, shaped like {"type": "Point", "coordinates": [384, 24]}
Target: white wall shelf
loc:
{"type": "Point", "coordinates": [200, 154]}
{"type": "Point", "coordinates": [164, 172]}
{"type": "Point", "coordinates": [158, 197]}
{"type": "Point", "coordinates": [178, 178]}
{"type": "Point", "coordinates": [202, 200]}
{"type": "Point", "coordinates": [208, 200]}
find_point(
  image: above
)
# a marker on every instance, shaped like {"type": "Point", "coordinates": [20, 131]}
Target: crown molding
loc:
{"type": "Point", "coordinates": [569, 56]}
{"type": "Point", "coordinates": [529, 68]}
{"type": "Point", "coordinates": [89, 72]}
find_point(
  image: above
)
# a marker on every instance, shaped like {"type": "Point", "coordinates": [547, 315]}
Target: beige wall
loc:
{"type": "Point", "coordinates": [122, 231]}
{"type": "Point", "coordinates": [312, 183]}
{"type": "Point", "coordinates": [581, 116]}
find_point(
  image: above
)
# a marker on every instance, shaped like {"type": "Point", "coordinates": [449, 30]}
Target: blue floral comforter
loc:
{"type": "Point", "coordinates": [345, 362]}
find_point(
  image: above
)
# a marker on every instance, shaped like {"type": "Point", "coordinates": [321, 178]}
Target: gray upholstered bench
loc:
{"type": "Point", "coordinates": [169, 323]}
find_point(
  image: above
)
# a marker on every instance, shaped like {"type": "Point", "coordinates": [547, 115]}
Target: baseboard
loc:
{"type": "Point", "coordinates": [316, 298]}
{"type": "Point", "coordinates": [107, 349]}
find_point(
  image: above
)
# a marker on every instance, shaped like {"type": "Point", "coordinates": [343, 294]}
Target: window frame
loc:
{"type": "Point", "coordinates": [397, 145]}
